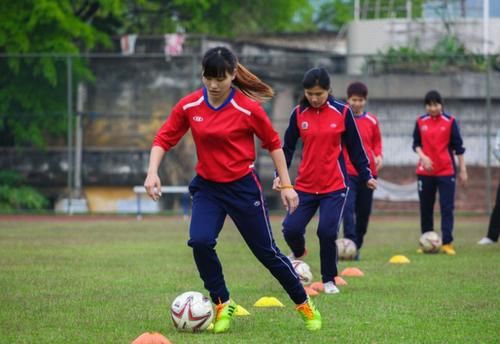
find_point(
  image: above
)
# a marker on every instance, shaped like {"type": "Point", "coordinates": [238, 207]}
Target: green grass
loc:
{"type": "Point", "coordinates": [109, 281]}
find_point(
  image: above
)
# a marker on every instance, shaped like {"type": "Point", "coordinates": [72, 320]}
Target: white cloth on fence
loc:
{"type": "Point", "coordinates": [127, 44]}
{"type": "Point", "coordinates": [387, 191]}
{"type": "Point", "coordinates": [174, 43]}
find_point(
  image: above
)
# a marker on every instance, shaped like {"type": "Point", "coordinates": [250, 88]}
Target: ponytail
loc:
{"type": "Point", "coordinates": [220, 60]}
{"type": "Point", "coordinates": [251, 85]}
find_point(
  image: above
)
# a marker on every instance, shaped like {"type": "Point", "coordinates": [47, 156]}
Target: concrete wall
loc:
{"type": "Point", "coordinates": [369, 37]}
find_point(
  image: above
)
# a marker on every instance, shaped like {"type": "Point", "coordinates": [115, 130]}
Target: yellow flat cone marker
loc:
{"type": "Point", "coordinates": [268, 301]}
{"type": "Point", "coordinates": [310, 291]}
{"type": "Point", "coordinates": [240, 311]}
{"type": "Point", "coordinates": [340, 281]}
{"type": "Point", "coordinates": [352, 272]}
{"type": "Point", "coordinates": [318, 286]}
{"type": "Point", "coordinates": [399, 260]}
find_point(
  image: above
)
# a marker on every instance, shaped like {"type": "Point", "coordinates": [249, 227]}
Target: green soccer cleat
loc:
{"type": "Point", "coordinates": [223, 315]}
{"type": "Point", "coordinates": [310, 315]}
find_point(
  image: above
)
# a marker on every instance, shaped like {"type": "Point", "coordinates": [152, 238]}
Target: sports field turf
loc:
{"type": "Point", "coordinates": [108, 281]}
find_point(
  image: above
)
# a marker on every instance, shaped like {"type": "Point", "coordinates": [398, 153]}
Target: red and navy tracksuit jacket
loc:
{"type": "Point", "coordinates": [369, 130]}
{"type": "Point", "coordinates": [226, 184]}
{"type": "Point", "coordinates": [439, 138]}
{"type": "Point", "coordinates": [325, 131]}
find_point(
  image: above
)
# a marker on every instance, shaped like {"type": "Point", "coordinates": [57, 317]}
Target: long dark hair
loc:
{"type": "Point", "coordinates": [220, 60]}
{"type": "Point", "coordinates": [315, 77]}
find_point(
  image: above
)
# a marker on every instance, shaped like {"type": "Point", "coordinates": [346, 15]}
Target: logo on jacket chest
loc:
{"type": "Point", "coordinates": [304, 125]}
{"type": "Point", "coordinates": [197, 118]}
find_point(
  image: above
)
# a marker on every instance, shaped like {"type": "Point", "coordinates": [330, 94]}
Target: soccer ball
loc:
{"type": "Point", "coordinates": [346, 249]}
{"type": "Point", "coordinates": [430, 242]}
{"type": "Point", "coordinates": [303, 270]}
{"type": "Point", "coordinates": [191, 312]}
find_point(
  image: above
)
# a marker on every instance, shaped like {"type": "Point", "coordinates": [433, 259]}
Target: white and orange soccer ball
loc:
{"type": "Point", "coordinates": [346, 249]}
{"type": "Point", "coordinates": [430, 242]}
{"type": "Point", "coordinates": [191, 312]}
{"type": "Point", "coordinates": [303, 270]}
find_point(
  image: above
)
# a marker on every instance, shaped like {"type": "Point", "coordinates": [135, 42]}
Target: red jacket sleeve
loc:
{"type": "Point", "coordinates": [262, 127]}
{"type": "Point", "coordinates": [172, 130]}
{"type": "Point", "coordinates": [377, 140]}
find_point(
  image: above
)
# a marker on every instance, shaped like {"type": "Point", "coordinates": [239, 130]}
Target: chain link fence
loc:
{"type": "Point", "coordinates": [73, 123]}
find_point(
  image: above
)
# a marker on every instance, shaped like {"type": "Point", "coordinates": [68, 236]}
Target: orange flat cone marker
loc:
{"type": "Point", "coordinates": [310, 291]}
{"type": "Point", "coordinates": [340, 281]}
{"type": "Point", "coordinates": [399, 260]}
{"type": "Point", "coordinates": [151, 338]}
{"type": "Point", "coordinates": [352, 272]}
{"type": "Point", "coordinates": [318, 286]}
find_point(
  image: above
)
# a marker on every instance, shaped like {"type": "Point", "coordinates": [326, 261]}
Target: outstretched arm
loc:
{"type": "Point", "coordinates": [289, 197]}
{"type": "Point", "coordinates": [152, 182]}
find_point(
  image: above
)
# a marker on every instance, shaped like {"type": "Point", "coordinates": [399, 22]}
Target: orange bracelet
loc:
{"type": "Point", "coordinates": [290, 186]}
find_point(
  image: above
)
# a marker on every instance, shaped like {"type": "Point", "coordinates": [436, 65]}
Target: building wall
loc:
{"type": "Point", "coordinates": [369, 37]}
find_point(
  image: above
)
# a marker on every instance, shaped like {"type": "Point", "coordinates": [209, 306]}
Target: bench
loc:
{"type": "Point", "coordinates": [184, 190]}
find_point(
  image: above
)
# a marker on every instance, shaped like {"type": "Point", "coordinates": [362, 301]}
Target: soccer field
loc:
{"type": "Point", "coordinates": [96, 281]}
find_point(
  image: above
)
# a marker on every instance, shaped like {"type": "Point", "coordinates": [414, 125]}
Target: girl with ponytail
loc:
{"type": "Point", "coordinates": [224, 116]}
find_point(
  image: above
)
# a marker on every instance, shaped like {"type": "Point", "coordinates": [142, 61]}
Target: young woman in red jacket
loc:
{"type": "Point", "coordinates": [224, 116]}
{"type": "Point", "coordinates": [436, 140]}
{"type": "Point", "coordinates": [325, 126]}
{"type": "Point", "coordinates": [360, 198]}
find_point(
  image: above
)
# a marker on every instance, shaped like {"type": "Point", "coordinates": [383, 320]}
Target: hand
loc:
{"type": "Point", "coordinates": [290, 199]}
{"type": "Point", "coordinates": [378, 162]}
{"type": "Point", "coordinates": [371, 184]}
{"type": "Point", "coordinates": [276, 184]}
{"type": "Point", "coordinates": [153, 186]}
{"type": "Point", "coordinates": [426, 162]}
{"type": "Point", "coordinates": [462, 177]}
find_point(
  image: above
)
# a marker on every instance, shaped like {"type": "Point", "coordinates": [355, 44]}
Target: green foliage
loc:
{"type": "Point", "coordinates": [33, 90]}
{"type": "Point", "coordinates": [15, 196]}
{"type": "Point", "coordinates": [216, 17]}
{"type": "Point", "coordinates": [447, 56]}
{"type": "Point", "coordinates": [10, 178]}
{"type": "Point", "coordinates": [333, 15]}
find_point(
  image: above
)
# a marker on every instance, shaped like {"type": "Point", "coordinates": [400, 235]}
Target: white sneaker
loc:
{"type": "Point", "coordinates": [330, 288]}
{"type": "Point", "coordinates": [485, 241]}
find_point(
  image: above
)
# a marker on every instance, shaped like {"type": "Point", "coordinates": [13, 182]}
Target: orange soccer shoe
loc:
{"type": "Point", "coordinates": [448, 249]}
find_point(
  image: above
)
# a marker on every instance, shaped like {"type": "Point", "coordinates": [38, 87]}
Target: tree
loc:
{"type": "Point", "coordinates": [33, 89]}
{"type": "Point", "coordinates": [227, 18]}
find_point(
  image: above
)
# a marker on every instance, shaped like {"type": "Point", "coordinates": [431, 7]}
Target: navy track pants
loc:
{"type": "Point", "coordinates": [244, 202]}
{"type": "Point", "coordinates": [357, 210]}
{"type": "Point", "coordinates": [330, 206]}
{"type": "Point", "coordinates": [427, 188]}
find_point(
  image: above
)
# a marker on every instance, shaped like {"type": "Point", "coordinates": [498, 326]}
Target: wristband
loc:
{"type": "Point", "coordinates": [289, 186]}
